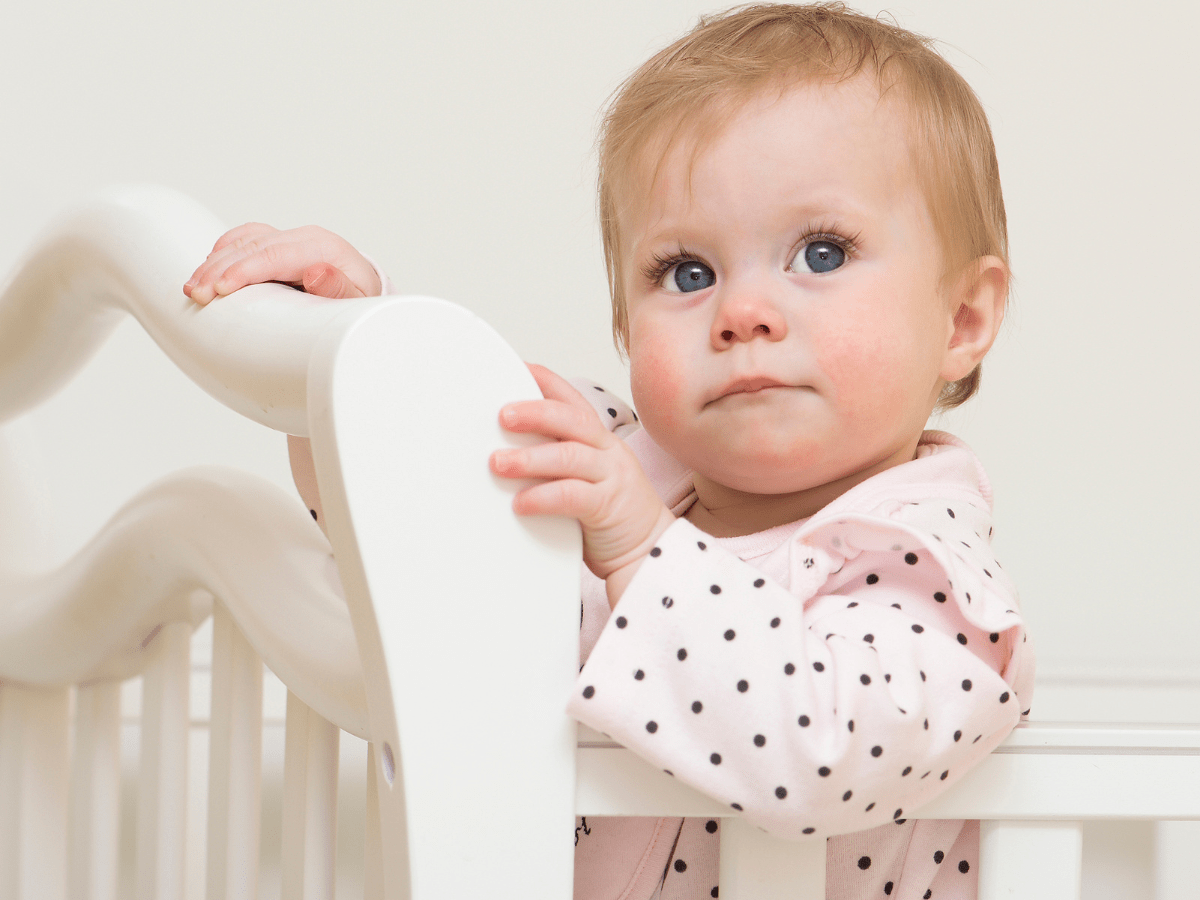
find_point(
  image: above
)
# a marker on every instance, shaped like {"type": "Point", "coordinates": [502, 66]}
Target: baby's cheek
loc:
{"type": "Point", "coordinates": [657, 385]}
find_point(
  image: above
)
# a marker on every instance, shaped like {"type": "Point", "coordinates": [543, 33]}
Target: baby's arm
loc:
{"type": "Point", "coordinates": [590, 475]}
{"type": "Point", "coordinates": [311, 258]}
{"type": "Point", "coordinates": [833, 715]}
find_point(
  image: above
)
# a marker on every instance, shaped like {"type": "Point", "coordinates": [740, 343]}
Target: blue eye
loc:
{"type": "Point", "coordinates": [691, 276]}
{"type": "Point", "coordinates": [823, 256]}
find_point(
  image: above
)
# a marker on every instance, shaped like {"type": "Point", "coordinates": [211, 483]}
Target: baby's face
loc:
{"type": "Point", "coordinates": [787, 331]}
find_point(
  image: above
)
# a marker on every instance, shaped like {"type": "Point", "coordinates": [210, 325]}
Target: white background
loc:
{"type": "Point", "coordinates": [453, 142]}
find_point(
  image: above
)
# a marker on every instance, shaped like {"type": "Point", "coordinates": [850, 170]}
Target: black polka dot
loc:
{"type": "Point", "coordinates": [680, 865]}
{"type": "Point", "coordinates": [713, 892]}
{"type": "Point", "coordinates": [781, 792]}
{"type": "Point", "coordinates": [730, 634]}
{"type": "Point", "coordinates": [589, 692]}
{"type": "Point", "coordinates": [939, 597]}
{"type": "Point", "coordinates": [702, 545]}
{"type": "Point", "coordinates": [927, 894]}
{"type": "Point", "coordinates": [864, 862]}
{"type": "Point", "coordinates": [622, 621]}
{"type": "Point", "coordinates": [964, 866]}
{"type": "Point", "coordinates": [993, 637]}
{"type": "Point", "coordinates": [887, 888]}
{"type": "Point", "coordinates": [652, 726]}
{"type": "Point", "coordinates": [870, 806]}
{"type": "Point", "coordinates": [715, 759]}
{"type": "Point", "coordinates": [957, 736]}
{"type": "Point", "coordinates": [656, 551]}
{"type": "Point", "coordinates": [918, 628]}
{"type": "Point", "coordinates": [869, 638]}
{"type": "Point", "coordinates": [910, 558]}
{"type": "Point", "coordinates": [897, 814]}
{"type": "Point", "coordinates": [758, 582]}
{"type": "Point", "coordinates": [715, 588]}
{"type": "Point", "coordinates": [639, 675]}
{"type": "Point", "coordinates": [789, 669]}
{"type": "Point", "coordinates": [977, 737]}
{"type": "Point", "coordinates": [775, 622]}
{"type": "Point", "coordinates": [846, 796]}
{"type": "Point", "coordinates": [823, 771]}
{"type": "Point", "coordinates": [668, 602]}
{"type": "Point", "coordinates": [736, 806]}
{"type": "Point", "coordinates": [1004, 697]}
{"type": "Point", "coordinates": [743, 686]}
{"type": "Point", "coordinates": [612, 412]}
{"type": "Point", "coordinates": [850, 725]}
{"type": "Point", "coordinates": [598, 388]}
{"type": "Point", "coordinates": [864, 678]}
{"type": "Point", "coordinates": [907, 771]}
{"type": "Point", "coordinates": [968, 596]}
{"type": "Point", "coordinates": [966, 685]}
{"type": "Point", "coordinates": [922, 671]}
{"type": "Point", "coordinates": [697, 706]}
{"type": "Point", "coordinates": [711, 826]}
{"type": "Point", "coordinates": [938, 857]}
{"type": "Point", "coordinates": [926, 724]}
{"type": "Point", "coordinates": [887, 677]}
{"type": "Point", "coordinates": [681, 654]}
{"type": "Point", "coordinates": [313, 513]}
{"type": "Point", "coordinates": [804, 721]}
{"type": "Point", "coordinates": [951, 512]}
{"type": "Point", "coordinates": [808, 831]}
{"type": "Point", "coordinates": [759, 740]}
{"type": "Point", "coordinates": [877, 750]}
{"type": "Point", "coordinates": [962, 638]}
{"type": "Point", "coordinates": [819, 666]}
{"type": "Point", "coordinates": [872, 578]}
{"type": "Point", "coordinates": [944, 775]}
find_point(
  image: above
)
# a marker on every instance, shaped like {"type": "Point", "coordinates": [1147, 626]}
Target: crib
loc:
{"type": "Point", "coordinates": [455, 675]}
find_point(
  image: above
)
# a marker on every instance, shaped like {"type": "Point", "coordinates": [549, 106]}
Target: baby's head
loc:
{"type": "Point", "coordinates": [687, 95]}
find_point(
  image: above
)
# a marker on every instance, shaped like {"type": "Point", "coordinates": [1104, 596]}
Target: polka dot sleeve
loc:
{"type": "Point", "coordinates": [835, 703]}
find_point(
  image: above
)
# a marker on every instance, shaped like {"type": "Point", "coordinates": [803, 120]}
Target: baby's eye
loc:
{"type": "Point", "coordinates": [689, 276]}
{"type": "Point", "coordinates": [820, 256]}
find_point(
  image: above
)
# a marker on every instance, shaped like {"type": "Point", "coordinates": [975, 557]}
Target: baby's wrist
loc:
{"type": "Point", "coordinates": [618, 579]}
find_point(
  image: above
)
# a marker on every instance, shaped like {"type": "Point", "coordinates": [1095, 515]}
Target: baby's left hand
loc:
{"type": "Point", "coordinates": [590, 476]}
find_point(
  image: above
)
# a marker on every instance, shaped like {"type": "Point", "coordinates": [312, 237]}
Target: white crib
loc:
{"type": "Point", "coordinates": [456, 674]}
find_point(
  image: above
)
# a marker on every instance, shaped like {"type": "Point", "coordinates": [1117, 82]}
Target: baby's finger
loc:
{"type": "Point", "coordinates": [560, 459]}
{"type": "Point", "coordinates": [217, 260]}
{"type": "Point", "coordinates": [556, 419]}
{"type": "Point", "coordinates": [564, 497]}
{"type": "Point", "coordinates": [242, 233]}
{"type": "Point", "coordinates": [325, 280]}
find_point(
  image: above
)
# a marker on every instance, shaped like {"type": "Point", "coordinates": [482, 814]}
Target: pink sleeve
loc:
{"type": "Point", "coordinates": [837, 704]}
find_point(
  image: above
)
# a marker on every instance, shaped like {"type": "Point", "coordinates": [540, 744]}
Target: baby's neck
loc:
{"type": "Point", "coordinates": [724, 512]}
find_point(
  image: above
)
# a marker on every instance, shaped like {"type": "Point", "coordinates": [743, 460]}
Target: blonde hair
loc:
{"type": "Point", "coordinates": [726, 58]}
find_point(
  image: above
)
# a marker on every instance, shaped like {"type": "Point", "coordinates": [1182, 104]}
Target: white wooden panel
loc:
{"type": "Point", "coordinates": [235, 763]}
{"type": "Point", "coordinates": [756, 866]}
{"type": "Point", "coordinates": [310, 771]}
{"type": "Point", "coordinates": [162, 780]}
{"type": "Point", "coordinates": [1030, 860]}
{"type": "Point", "coordinates": [95, 793]}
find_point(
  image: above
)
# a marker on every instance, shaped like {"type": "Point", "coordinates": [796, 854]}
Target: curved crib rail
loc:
{"type": "Point", "coordinates": [324, 369]}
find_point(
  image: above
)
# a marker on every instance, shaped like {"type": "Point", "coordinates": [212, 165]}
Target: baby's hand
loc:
{"type": "Point", "coordinates": [590, 476]}
{"type": "Point", "coordinates": [311, 258]}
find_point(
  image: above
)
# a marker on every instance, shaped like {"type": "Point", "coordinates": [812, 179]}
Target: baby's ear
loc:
{"type": "Point", "coordinates": [304, 474]}
{"type": "Point", "coordinates": [977, 301]}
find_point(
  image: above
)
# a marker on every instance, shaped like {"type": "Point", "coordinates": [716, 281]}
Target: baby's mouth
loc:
{"type": "Point", "coordinates": [748, 386]}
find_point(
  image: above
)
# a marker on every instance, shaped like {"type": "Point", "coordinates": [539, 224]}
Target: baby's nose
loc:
{"type": "Point", "coordinates": [745, 317]}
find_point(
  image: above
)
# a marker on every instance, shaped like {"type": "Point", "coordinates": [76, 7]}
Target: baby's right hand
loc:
{"type": "Point", "coordinates": [311, 258]}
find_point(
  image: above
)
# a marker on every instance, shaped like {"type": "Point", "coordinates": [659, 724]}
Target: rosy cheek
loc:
{"type": "Point", "coordinates": [657, 382]}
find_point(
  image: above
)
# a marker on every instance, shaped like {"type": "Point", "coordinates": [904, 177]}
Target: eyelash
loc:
{"type": "Point", "coordinates": [659, 265]}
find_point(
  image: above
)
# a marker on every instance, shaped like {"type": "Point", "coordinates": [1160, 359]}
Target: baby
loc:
{"type": "Point", "coordinates": [806, 249]}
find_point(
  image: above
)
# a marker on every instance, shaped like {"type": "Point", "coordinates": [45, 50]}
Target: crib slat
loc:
{"type": "Point", "coordinates": [1030, 860]}
{"type": "Point", "coordinates": [162, 783]}
{"type": "Point", "coordinates": [310, 767]}
{"type": "Point", "coordinates": [33, 777]}
{"type": "Point", "coordinates": [756, 866]}
{"type": "Point", "coordinates": [235, 763]}
{"type": "Point", "coordinates": [95, 793]}
{"type": "Point", "coordinates": [372, 834]}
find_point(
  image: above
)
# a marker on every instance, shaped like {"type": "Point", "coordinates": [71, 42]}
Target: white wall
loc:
{"type": "Point", "coordinates": [453, 142]}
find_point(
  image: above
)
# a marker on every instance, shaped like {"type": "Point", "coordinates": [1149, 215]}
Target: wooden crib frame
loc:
{"type": "Point", "coordinates": [456, 674]}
